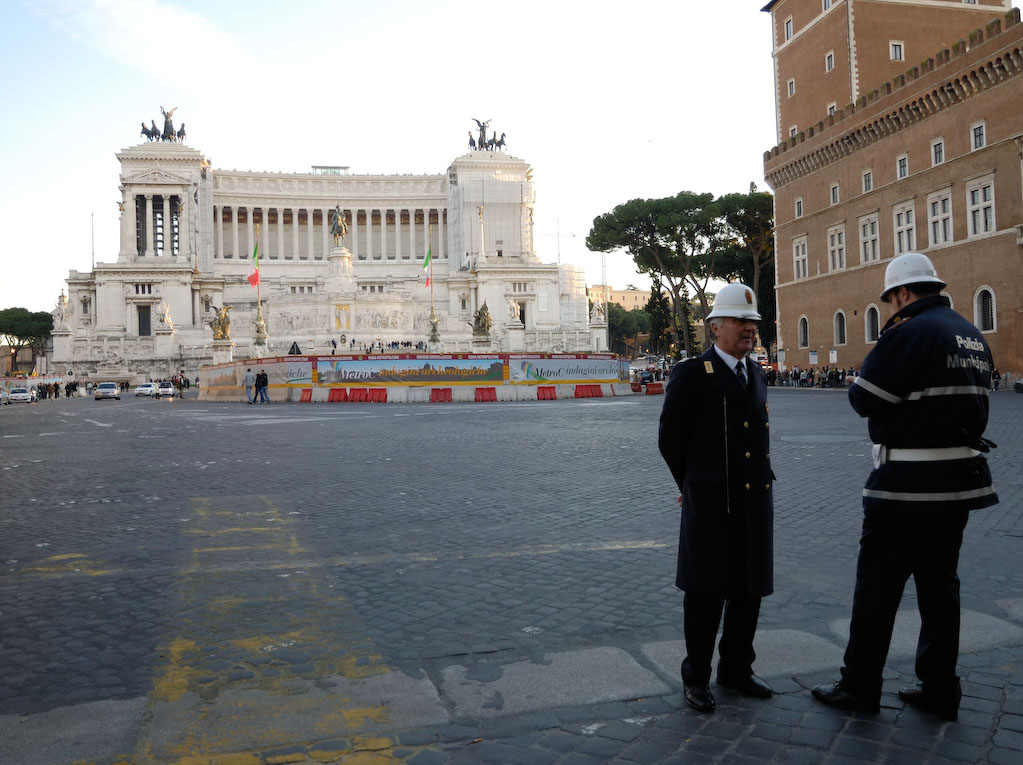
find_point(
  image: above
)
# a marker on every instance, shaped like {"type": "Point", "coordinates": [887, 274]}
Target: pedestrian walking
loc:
{"type": "Point", "coordinates": [249, 381]}
{"type": "Point", "coordinates": [924, 392]}
{"type": "Point", "coordinates": [714, 437]}
{"type": "Point", "coordinates": [262, 383]}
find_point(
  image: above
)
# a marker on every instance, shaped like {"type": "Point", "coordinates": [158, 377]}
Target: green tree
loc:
{"type": "Point", "coordinates": [674, 238]}
{"type": "Point", "coordinates": [659, 310]}
{"type": "Point", "coordinates": [747, 251]}
{"type": "Point", "coordinates": [621, 325]}
{"type": "Point", "coordinates": [21, 328]}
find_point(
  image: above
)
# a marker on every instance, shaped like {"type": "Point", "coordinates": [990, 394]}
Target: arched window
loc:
{"type": "Point", "coordinates": [873, 324]}
{"type": "Point", "coordinates": [839, 328]}
{"type": "Point", "coordinates": [984, 309]}
{"type": "Point", "coordinates": [804, 332]}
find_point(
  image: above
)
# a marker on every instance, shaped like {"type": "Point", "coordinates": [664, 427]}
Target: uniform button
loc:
{"type": "Point", "coordinates": [767, 486]}
{"type": "Point", "coordinates": [768, 455]}
{"type": "Point", "coordinates": [747, 487]}
{"type": "Point", "coordinates": [745, 424]}
{"type": "Point", "coordinates": [767, 425]}
{"type": "Point", "coordinates": [747, 455]}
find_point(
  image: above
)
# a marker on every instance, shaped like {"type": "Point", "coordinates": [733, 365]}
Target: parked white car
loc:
{"type": "Point", "coordinates": [20, 396]}
{"type": "Point", "coordinates": [145, 389]}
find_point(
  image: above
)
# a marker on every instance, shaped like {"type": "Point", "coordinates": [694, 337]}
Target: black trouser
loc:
{"type": "Point", "coordinates": [702, 617]}
{"type": "Point", "coordinates": [893, 547]}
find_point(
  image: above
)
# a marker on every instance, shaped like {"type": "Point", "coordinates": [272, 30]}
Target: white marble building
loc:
{"type": "Point", "coordinates": [188, 233]}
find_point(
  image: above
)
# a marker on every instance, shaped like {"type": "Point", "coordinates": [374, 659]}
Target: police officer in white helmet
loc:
{"type": "Point", "coordinates": [714, 437]}
{"type": "Point", "coordinates": [924, 389]}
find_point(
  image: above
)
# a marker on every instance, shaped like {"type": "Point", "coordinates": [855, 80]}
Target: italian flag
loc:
{"type": "Point", "coordinates": [426, 263]}
{"type": "Point", "coordinates": [254, 273]}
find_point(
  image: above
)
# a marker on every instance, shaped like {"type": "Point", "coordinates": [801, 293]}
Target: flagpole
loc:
{"type": "Point", "coordinates": [430, 278]}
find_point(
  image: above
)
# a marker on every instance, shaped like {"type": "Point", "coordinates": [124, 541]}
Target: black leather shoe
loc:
{"type": "Point", "coordinates": [700, 698]}
{"type": "Point", "coordinates": [946, 709]}
{"type": "Point", "coordinates": [837, 696]}
{"type": "Point", "coordinates": [751, 685]}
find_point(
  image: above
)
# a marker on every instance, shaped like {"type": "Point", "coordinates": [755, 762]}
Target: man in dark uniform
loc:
{"type": "Point", "coordinates": [714, 437]}
{"type": "Point", "coordinates": [924, 389]}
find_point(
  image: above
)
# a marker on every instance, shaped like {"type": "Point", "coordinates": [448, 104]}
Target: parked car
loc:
{"type": "Point", "coordinates": [108, 390]}
{"type": "Point", "coordinates": [1018, 385]}
{"type": "Point", "coordinates": [165, 388]}
{"type": "Point", "coordinates": [145, 389]}
{"type": "Point", "coordinates": [5, 397]}
{"type": "Point", "coordinates": [20, 396]}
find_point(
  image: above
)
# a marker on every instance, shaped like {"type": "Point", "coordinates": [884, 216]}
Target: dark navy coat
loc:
{"type": "Point", "coordinates": [924, 388]}
{"type": "Point", "coordinates": [714, 437]}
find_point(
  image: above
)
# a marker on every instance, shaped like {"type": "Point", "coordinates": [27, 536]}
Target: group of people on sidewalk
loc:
{"type": "Point", "coordinates": [256, 385]}
{"type": "Point", "coordinates": [924, 391]}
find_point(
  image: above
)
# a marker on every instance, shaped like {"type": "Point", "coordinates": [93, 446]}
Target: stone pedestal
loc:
{"type": "Point", "coordinates": [598, 337]}
{"type": "Point", "coordinates": [223, 351]}
{"type": "Point", "coordinates": [516, 334]}
{"type": "Point", "coordinates": [340, 278]}
{"type": "Point", "coordinates": [481, 344]}
{"type": "Point", "coordinates": [164, 347]}
{"type": "Point", "coordinates": [62, 346]}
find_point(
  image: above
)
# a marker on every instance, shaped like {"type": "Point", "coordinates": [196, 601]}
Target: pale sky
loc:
{"type": "Point", "coordinates": [608, 101]}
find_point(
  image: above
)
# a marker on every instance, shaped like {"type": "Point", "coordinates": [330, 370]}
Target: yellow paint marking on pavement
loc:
{"type": "Point", "coordinates": [174, 682]}
{"type": "Point", "coordinates": [65, 556]}
{"type": "Point", "coordinates": [67, 564]}
{"type": "Point", "coordinates": [248, 665]}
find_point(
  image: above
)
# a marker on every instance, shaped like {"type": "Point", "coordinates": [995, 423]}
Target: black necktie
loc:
{"type": "Point", "coordinates": [740, 370]}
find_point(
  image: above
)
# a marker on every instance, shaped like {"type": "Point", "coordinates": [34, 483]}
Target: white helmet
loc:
{"type": "Point", "coordinates": [909, 268]}
{"type": "Point", "coordinates": [735, 300]}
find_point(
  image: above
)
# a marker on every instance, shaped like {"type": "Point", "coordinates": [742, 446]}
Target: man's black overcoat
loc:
{"type": "Point", "coordinates": [714, 436]}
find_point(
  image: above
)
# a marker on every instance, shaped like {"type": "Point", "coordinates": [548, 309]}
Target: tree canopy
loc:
{"type": "Point", "coordinates": [686, 240]}
{"type": "Point", "coordinates": [21, 328]}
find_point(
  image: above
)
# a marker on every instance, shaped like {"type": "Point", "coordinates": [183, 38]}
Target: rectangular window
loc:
{"type": "Point", "coordinates": [868, 181]}
{"type": "Point", "coordinates": [869, 250]}
{"type": "Point", "coordinates": [939, 217]}
{"type": "Point", "coordinates": [834, 193]}
{"type": "Point", "coordinates": [902, 167]}
{"type": "Point", "coordinates": [829, 61]}
{"type": "Point", "coordinates": [980, 206]}
{"type": "Point", "coordinates": [788, 29]}
{"type": "Point", "coordinates": [832, 108]}
{"type": "Point", "coordinates": [792, 88]}
{"type": "Point", "coordinates": [836, 247]}
{"type": "Point", "coordinates": [825, 4]}
{"type": "Point", "coordinates": [799, 261]}
{"type": "Point", "coordinates": [904, 218]}
{"type": "Point", "coordinates": [978, 139]}
{"type": "Point", "coordinates": [937, 151]}
{"type": "Point", "coordinates": [897, 50]}
{"type": "Point", "coordinates": [792, 132]}
{"type": "Point", "coordinates": [799, 207]}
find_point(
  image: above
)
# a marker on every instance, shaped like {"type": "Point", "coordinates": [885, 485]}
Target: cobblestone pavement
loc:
{"type": "Point", "coordinates": [194, 582]}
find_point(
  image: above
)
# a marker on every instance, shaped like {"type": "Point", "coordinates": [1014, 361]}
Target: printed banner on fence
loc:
{"type": "Point", "coordinates": [525, 370]}
{"type": "Point", "coordinates": [397, 370]}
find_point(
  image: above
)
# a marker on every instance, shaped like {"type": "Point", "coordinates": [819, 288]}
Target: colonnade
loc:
{"type": "Point", "coordinates": [373, 233]}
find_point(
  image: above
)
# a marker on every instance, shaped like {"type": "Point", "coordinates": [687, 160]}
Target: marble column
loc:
{"type": "Point", "coordinates": [383, 235]}
{"type": "Point", "coordinates": [183, 227]}
{"type": "Point", "coordinates": [280, 233]}
{"type": "Point", "coordinates": [309, 226]}
{"type": "Point", "coordinates": [294, 233]}
{"type": "Point", "coordinates": [397, 234]}
{"type": "Point", "coordinates": [149, 226]}
{"type": "Point", "coordinates": [167, 245]}
{"type": "Point", "coordinates": [218, 213]}
{"type": "Point", "coordinates": [250, 234]}
{"type": "Point", "coordinates": [234, 230]}
{"type": "Point", "coordinates": [354, 230]}
{"type": "Point", "coordinates": [412, 233]}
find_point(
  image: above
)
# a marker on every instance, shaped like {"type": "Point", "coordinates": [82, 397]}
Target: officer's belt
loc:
{"type": "Point", "coordinates": [883, 454]}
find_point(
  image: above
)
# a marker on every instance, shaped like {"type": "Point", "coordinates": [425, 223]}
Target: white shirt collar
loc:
{"type": "Point", "coordinates": [730, 360]}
